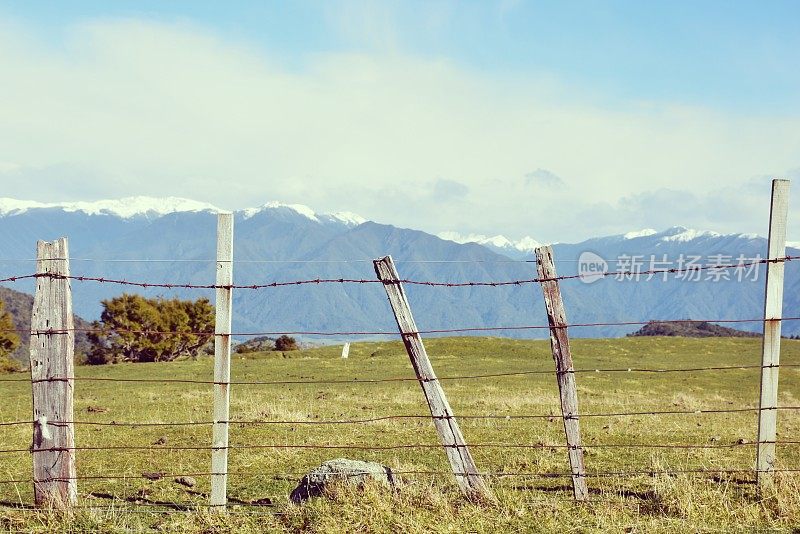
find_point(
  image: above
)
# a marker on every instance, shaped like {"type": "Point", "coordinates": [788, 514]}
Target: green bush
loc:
{"type": "Point", "coordinates": [9, 341]}
{"type": "Point", "coordinates": [136, 329]}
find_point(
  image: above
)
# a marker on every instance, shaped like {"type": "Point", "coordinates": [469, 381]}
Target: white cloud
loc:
{"type": "Point", "coordinates": [128, 107]}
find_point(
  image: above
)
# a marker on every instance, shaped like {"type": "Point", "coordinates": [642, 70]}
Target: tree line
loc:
{"type": "Point", "coordinates": [133, 328]}
{"type": "Point", "coordinates": [9, 341]}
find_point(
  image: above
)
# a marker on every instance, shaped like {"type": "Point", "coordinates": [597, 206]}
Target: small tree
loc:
{"type": "Point", "coordinates": [243, 348]}
{"type": "Point", "coordinates": [256, 344]}
{"type": "Point", "coordinates": [190, 316]}
{"type": "Point", "coordinates": [285, 343]}
{"type": "Point", "coordinates": [136, 329]}
{"type": "Point", "coordinates": [9, 341]}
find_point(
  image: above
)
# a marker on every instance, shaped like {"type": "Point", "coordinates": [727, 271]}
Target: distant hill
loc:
{"type": "Point", "coordinates": [20, 305]}
{"type": "Point", "coordinates": [690, 329]}
{"type": "Point", "coordinates": [281, 243]}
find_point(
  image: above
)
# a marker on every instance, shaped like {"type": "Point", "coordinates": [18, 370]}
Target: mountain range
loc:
{"type": "Point", "coordinates": [173, 240]}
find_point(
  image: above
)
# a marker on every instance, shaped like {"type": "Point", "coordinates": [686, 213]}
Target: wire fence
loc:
{"type": "Point", "coordinates": [430, 283]}
{"type": "Point", "coordinates": [366, 447]}
{"type": "Point", "coordinates": [50, 331]}
{"type": "Point", "coordinates": [492, 474]}
{"type": "Point", "coordinates": [398, 379]}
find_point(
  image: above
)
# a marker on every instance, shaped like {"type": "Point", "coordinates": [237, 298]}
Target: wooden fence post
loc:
{"type": "Point", "coordinates": [559, 342]}
{"type": "Point", "coordinates": [222, 361]}
{"type": "Point", "coordinates": [345, 350]}
{"type": "Point", "coordinates": [469, 480]}
{"type": "Point", "coordinates": [52, 350]}
{"type": "Point", "coordinates": [771, 346]}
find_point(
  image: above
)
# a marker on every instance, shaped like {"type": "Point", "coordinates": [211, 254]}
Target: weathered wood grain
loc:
{"type": "Point", "coordinates": [52, 351]}
{"type": "Point", "coordinates": [222, 362]}
{"type": "Point", "coordinates": [559, 342]}
{"type": "Point", "coordinates": [469, 480]}
{"type": "Point", "coordinates": [771, 346]}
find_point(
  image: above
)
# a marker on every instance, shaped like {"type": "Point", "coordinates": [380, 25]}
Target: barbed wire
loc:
{"type": "Point", "coordinates": [366, 420]}
{"type": "Point", "coordinates": [287, 261]}
{"type": "Point", "coordinates": [637, 273]}
{"type": "Point", "coordinates": [242, 508]}
{"type": "Point", "coordinates": [356, 446]}
{"type": "Point", "coordinates": [58, 331]}
{"type": "Point", "coordinates": [399, 446]}
{"type": "Point", "coordinates": [399, 379]}
{"type": "Point", "coordinates": [305, 261]}
{"type": "Point", "coordinates": [494, 474]}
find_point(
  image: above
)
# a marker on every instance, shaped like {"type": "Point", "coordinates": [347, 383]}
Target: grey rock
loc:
{"type": "Point", "coordinates": [355, 472]}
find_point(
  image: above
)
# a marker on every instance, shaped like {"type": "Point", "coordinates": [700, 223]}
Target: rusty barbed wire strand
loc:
{"type": "Point", "coordinates": [401, 379]}
{"type": "Point", "coordinates": [144, 285]}
{"type": "Point", "coordinates": [62, 331]}
{"type": "Point", "coordinates": [241, 508]}
{"type": "Point", "coordinates": [319, 261]}
{"type": "Point", "coordinates": [16, 278]}
{"type": "Point", "coordinates": [497, 474]}
{"type": "Point", "coordinates": [401, 446]}
{"type": "Point", "coordinates": [404, 379]}
{"type": "Point", "coordinates": [408, 416]}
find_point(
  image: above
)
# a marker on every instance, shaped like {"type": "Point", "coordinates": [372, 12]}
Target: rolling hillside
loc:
{"type": "Point", "coordinates": [20, 306]}
{"type": "Point", "coordinates": [690, 329]}
{"type": "Point", "coordinates": [283, 243]}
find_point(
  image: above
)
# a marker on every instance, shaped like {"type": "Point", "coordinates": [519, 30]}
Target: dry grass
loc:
{"type": "Point", "coordinates": [641, 503]}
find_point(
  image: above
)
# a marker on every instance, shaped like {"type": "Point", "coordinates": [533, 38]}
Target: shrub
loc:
{"type": "Point", "coordinates": [285, 343]}
{"type": "Point", "coordinates": [9, 341]}
{"type": "Point", "coordinates": [136, 329]}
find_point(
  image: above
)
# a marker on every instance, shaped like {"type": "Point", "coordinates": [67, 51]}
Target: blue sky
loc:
{"type": "Point", "coordinates": [735, 55]}
{"type": "Point", "coordinates": [448, 106]}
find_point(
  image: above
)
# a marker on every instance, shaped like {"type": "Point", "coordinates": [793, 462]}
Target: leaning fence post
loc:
{"type": "Point", "coordinates": [52, 350]}
{"type": "Point", "coordinates": [222, 361]}
{"type": "Point", "coordinates": [771, 346]}
{"type": "Point", "coordinates": [469, 480]}
{"type": "Point", "coordinates": [559, 342]}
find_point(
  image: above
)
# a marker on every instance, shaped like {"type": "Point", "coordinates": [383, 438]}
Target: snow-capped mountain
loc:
{"type": "Point", "coordinates": [684, 235]}
{"type": "Point", "coordinates": [154, 207]}
{"type": "Point", "coordinates": [498, 243]}
{"type": "Point", "coordinates": [674, 235]}
{"type": "Point", "coordinates": [283, 242]}
{"type": "Point", "coordinates": [640, 233]}
{"type": "Point", "coordinates": [123, 207]}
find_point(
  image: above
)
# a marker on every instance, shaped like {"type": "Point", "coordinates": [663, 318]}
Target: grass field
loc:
{"type": "Point", "coordinates": [648, 501]}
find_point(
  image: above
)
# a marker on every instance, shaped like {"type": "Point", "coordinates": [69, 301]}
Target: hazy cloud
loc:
{"type": "Point", "coordinates": [131, 107]}
{"type": "Point", "coordinates": [60, 182]}
{"type": "Point", "coordinates": [448, 190]}
{"type": "Point", "coordinates": [544, 178]}
{"type": "Point", "coordinates": [742, 207]}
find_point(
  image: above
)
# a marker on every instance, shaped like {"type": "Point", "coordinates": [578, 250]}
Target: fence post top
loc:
{"type": "Point", "coordinates": [44, 243]}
